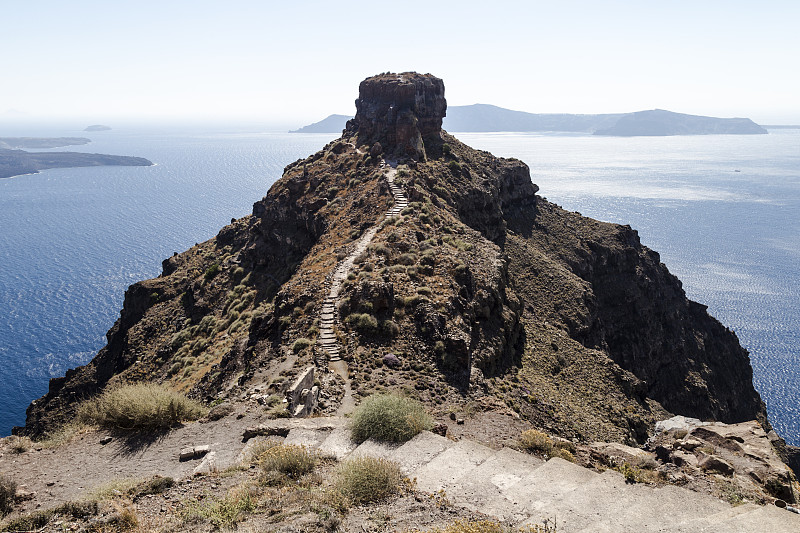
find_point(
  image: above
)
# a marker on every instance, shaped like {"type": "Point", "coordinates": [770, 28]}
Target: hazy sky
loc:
{"type": "Point", "coordinates": [294, 62]}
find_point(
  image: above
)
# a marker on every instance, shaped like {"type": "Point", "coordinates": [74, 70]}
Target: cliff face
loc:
{"type": "Point", "coordinates": [400, 111]}
{"type": "Point", "coordinates": [478, 292]}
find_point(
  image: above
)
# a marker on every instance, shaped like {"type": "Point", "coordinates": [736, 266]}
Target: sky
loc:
{"type": "Point", "coordinates": [293, 62]}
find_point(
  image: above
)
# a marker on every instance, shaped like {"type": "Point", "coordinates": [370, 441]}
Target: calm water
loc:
{"type": "Point", "coordinates": [74, 239]}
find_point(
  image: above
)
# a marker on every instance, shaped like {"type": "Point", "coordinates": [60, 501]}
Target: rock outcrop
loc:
{"type": "Point", "coordinates": [743, 452]}
{"type": "Point", "coordinates": [479, 290]}
{"type": "Point", "coordinates": [402, 112]}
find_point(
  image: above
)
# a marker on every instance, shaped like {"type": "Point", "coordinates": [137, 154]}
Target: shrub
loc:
{"type": "Point", "coordinates": [288, 459]}
{"type": "Point", "coordinates": [390, 328]}
{"type": "Point", "coordinates": [29, 522]}
{"type": "Point", "coordinates": [224, 513]}
{"type": "Point", "coordinates": [8, 488]}
{"type": "Point", "coordinates": [211, 271]}
{"type": "Point", "coordinates": [301, 344]}
{"type": "Point", "coordinates": [363, 322]}
{"type": "Point", "coordinates": [368, 479]}
{"type": "Point", "coordinates": [380, 249]}
{"type": "Point", "coordinates": [534, 441]}
{"type": "Point", "coordinates": [139, 406]}
{"type": "Point", "coordinates": [389, 417]}
{"type": "Point", "coordinates": [19, 444]}
{"type": "Point", "coordinates": [155, 485]}
{"type": "Point", "coordinates": [407, 259]}
{"type": "Point", "coordinates": [454, 167]}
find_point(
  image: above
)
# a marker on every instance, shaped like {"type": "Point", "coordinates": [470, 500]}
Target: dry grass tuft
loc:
{"type": "Point", "coordinates": [368, 479]}
{"type": "Point", "coordinates": [286, 460]}
{"type": "Point", "coordinates": [8, 488]}
{"type": "Point", "coordinates": [388, 417]}
{"type": "Point", "coordinates": [534, 441]}
{"type": "Point", "coordinates": [139, 406]}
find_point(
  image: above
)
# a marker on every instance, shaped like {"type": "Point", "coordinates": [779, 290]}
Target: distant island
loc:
{"type": "Point", "coordinates": [332, 124]}
{"type": "Point", "coordinates": [16, 143]}
{"type": "Point", "coordinates": [16, 162]}
{"type": "Point", "coordinates": [489, 118]}
{"type": "Point", "coordinates": [660, 122]}
{"type": "Point", "coordinates": [97, 127]}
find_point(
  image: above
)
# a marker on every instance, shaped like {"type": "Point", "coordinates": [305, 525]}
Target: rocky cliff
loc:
{"type": "Point", "coordinates": [478, 293]}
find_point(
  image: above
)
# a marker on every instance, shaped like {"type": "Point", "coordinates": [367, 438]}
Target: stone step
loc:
{"type": "Point", "coordinates": [608, 503]}
{"type": "Point", "coordinates": [420, 450]}
{"type": "Point", "coordinates": [745, 519]}
{"type": "Point", "coordinates": [310, 438]}
{"type": "Point", "coordinates": [451, 465]}
{"type": "Point", "coordinates": [482, 490]}
{"type": "Point", "coordinates": [338, 444]}
{"type": "Point", "coordinates": [373, 448]}
{"type": "Point", "coordinates": [548, 483]}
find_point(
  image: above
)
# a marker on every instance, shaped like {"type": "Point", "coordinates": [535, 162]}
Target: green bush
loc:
{"type": "Point", "coordinates": [8, 488]}
{"type": "Point", "coordinates": [211, 271]}
{"type": "Point", "coordinates": [364, 323]}
{"type": "Point", "coordinates": [301, 344]}
{"type": "Point", "coordinates": [368, 479]}
{"type": "Point", "coordinates": [390, 328]}
{"type": "Point", "coordinates": [139, 406]}
{"type": "Point", "coordinates": [389, 417]}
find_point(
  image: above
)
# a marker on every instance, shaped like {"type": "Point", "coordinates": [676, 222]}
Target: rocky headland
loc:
{"type": "Point", "coordinates": [398, 259]}
{"type": "Point", "coordinates": [19, 162]}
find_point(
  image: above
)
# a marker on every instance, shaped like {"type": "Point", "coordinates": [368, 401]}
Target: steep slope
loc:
{"type": "Point", "coordinates": [477, 294]}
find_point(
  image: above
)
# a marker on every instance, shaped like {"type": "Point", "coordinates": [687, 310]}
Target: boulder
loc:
{"type": "Point", "coordinates": [712, 463]}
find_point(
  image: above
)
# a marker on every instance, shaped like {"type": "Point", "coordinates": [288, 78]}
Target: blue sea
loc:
{"type": "Point", "coordinates": [723, 212]}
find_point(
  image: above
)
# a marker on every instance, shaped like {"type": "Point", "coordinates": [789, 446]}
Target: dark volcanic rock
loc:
{"type": "Point", "coordinates": [403, 112]}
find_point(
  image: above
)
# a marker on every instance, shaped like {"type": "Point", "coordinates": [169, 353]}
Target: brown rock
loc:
{"type": "Point", "coordinates": [440, 429]}
{"type": "Point", "coordinates": [712, 463]}
{"type": "Point", "coordinates": [402, 112]}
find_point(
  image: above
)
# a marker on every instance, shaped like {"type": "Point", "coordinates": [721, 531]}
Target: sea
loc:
{"type": "Point", "coordinates": [723, 211]}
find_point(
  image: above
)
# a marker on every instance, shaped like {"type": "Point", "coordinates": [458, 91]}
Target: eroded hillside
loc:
{"type": "Point", "coordinates": [478, 295]}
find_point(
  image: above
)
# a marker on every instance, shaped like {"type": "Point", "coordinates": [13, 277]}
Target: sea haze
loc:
{"type": "Point", "coordinates": [723, 211]}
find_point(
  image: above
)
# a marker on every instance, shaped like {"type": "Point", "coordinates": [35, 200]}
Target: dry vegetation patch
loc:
{"type": "Point", "coordinates": [389, 417]}
{"type": "Point", "coordinates": [139, 406]}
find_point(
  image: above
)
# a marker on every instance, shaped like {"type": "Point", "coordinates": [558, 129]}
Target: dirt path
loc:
{"type": "Point", "coordinates": [327, 319]}
{"type": "Point", "coordinates": [72, 470]}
